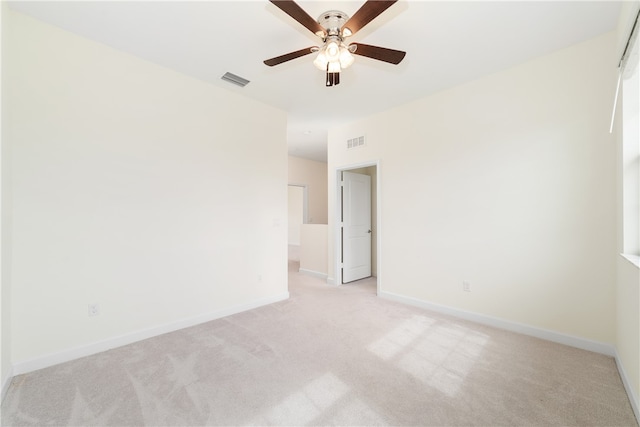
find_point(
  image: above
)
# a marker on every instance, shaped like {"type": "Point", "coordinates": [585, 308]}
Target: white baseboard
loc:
{"type": "Point", "coordinates": [6, 382]}
{"type": "Point", "coordinates": [584, 344]}
{"type": "Point", "coordinates": [313, 273]}
{"type": "Point", "coordinates": [633, 397]}
{"type": "Point", "coordinates": [331, 280]}
{"type": "Point", "coordinates": [52, 359]}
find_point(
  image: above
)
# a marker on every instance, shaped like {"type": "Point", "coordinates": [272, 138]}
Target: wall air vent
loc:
{"type": "Point", "coordinates": [355, 142]}
{"type": "Point", "coordinates": [236, 80]}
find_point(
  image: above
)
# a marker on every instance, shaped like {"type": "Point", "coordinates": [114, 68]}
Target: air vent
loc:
{"type": "Point", "coordinates": [236, 80]}
{"type": "Point", "coordinates": [355, 142]}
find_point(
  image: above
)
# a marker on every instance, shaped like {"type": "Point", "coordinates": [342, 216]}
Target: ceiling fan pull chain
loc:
{"type": "Point", "coordinates": [332, 79]}
{"type": "Point", "coordinates": [329, 81]}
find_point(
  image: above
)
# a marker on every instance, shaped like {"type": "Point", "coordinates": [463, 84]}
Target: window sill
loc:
{"type": "Point", "coordinates": [633, 259]}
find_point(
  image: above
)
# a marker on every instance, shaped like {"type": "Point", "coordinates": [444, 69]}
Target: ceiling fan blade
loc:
{"type": "Point", "coordinates": [391, 56]}
{"type": "Point", "coordinates": [289, 56]}
{"type": "Point", "coordinates": [366, 14]}
{"type": "Point", "coordinates": [292, 9]}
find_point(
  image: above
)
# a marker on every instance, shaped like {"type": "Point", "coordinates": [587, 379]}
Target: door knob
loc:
{"type": "Point", "coordinates": [368, 231]}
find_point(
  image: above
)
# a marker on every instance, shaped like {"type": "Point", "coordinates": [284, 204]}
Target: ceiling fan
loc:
{"type": "Point", "coordinates": [334, 27]}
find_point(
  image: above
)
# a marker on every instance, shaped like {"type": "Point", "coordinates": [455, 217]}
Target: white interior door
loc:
{"type": "Point", "coordinates": [356, 226]}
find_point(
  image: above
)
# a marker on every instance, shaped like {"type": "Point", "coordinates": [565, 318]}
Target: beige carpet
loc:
{"type": "Point", "coordinates": [328, 356]}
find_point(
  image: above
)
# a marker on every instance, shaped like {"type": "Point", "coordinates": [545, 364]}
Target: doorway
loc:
{"type": "Point", "coordinates": [374, 254]}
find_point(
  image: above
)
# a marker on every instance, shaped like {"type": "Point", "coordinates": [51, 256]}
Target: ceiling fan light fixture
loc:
{"type": "Point", "coordinates": [333, 67]}
{"type": "Point", "coordinates": [335, 55]}
{"type": "Point", "coordinates": [321, 61]}
{"type": "Point", "coordinates": [346, 58]}
{"type": "Point", "coordinates": [332, 50]}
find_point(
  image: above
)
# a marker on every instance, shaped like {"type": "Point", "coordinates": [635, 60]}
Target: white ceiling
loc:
{"type": "Point", "coordinates": [447, 43]}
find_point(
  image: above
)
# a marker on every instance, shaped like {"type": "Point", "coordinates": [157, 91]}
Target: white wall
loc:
{"type": "Point", "coordinates": [628, 275]}
{"type": "Point", "coordinates": [296, 214]}
{"type": "Point", "coordinates": [136, 188]}
{"type": "Point", "coordinates": [5, 246]}
{"type": "Point", "coordinates": [313, 250]}
{"type": "Point", "coordinates": [507, 182]}
{"type": "Point", "coordinates": [313, 175]}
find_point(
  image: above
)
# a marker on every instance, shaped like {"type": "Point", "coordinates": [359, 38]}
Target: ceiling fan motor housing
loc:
{"type": "Point", "coordinates": [333, 21]}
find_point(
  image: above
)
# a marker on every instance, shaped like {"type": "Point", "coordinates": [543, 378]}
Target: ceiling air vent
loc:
{"type": "Point", "coordinates": [355, 142]}
{"type": "Point", "coordinates": [236, 80]}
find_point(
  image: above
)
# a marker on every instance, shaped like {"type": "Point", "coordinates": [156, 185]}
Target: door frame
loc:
{"type": "Point", "coordinates": [337, 231]}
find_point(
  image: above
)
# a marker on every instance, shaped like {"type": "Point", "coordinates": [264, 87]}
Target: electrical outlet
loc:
{"type": "Point", "coordinates": [94, 309]}
{"type": "Point", "coordinates": [466, 286]}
